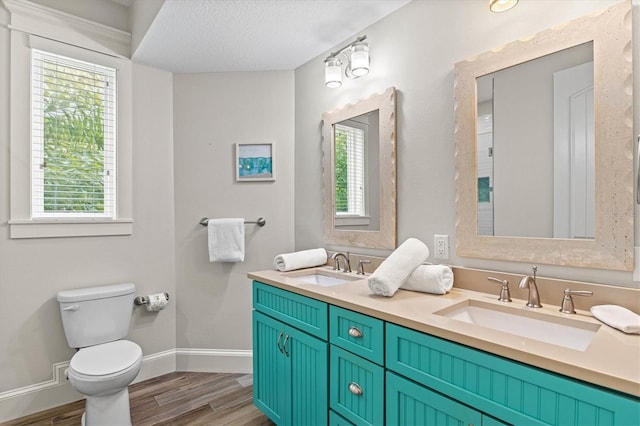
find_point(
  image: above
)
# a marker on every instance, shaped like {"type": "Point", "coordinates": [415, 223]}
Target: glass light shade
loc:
{"type": "Point", "coordinates": [332, 73]}
{"type": "Point", "coordinates": [360, 59]}
{"type": "Point", "coordinates": [501, 5]}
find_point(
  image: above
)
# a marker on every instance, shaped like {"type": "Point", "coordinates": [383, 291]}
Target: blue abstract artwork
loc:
{"type": "Point", "coordinates": [255, 161]}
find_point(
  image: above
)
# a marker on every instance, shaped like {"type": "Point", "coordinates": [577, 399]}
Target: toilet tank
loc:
{"type": "Point", "coordinates": [94, 315]}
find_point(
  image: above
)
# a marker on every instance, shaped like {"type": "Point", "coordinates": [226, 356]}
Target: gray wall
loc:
{"type": "Point", "coordinates": [212, 112]}
{"type": "Point", "coordinates": [415, 50]}
{"type": "Point", "coordinates": [32, 271]}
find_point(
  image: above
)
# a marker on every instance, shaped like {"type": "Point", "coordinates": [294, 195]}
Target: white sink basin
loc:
{"type": "Point", "coordinates": [525, 323]}
{"type": "Point", "coordinates": [322, 278]}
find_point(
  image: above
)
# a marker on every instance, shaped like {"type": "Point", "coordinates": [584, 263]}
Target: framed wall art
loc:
{"type": "Point", "coordinates": [255, 162]}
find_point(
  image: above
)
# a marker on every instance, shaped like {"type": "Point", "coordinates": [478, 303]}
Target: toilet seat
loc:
{"type": "Point", "coordinates": [105, 360]}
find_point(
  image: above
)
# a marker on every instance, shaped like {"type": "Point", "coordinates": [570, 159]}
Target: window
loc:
{"type": "Point", "coordinates": [73, 137]}
{"type": "Point", "coordinates": [349, 166]}
{"type": "Point", "coordinates": [71, 169]}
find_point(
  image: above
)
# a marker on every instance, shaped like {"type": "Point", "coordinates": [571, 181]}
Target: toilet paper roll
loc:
{"type": "Point", "coordinates": [157, 302]}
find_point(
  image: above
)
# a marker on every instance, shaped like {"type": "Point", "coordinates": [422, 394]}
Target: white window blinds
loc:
{"type": "Point", "coordinates": [73, 137]}
{"type": "Point", "coordinates": [349, 166]}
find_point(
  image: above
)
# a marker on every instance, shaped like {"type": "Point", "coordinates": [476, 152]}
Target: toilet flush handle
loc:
{"type": "Point", "coordinates": [71, 308]}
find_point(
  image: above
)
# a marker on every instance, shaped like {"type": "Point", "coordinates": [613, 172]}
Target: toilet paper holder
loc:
{"type": "Point", "coordinates": [144, 300]}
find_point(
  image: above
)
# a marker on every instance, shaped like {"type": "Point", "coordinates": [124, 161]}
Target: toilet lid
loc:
{"type": "Point", "coordinates": [107, 358]}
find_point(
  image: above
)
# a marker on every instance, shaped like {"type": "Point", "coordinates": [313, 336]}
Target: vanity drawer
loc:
{"type": "Point", "coordinates": [304, 313]}
{"type": "Point", "coordinates": [356, 388]}
{"type": "Point", "coordinates": [338, 420]}
{"type": "Point", "coordinates": [508, 390]}
{"type": "Point", "coordinates": [357, 333]}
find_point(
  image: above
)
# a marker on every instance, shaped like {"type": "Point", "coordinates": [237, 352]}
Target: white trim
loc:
{"type": "Point", "coordinates": [58, 379]}
{"type": "Point", "coordinates": [31, 399]}
{"type": "Point", "coordinates": [20, 126]}
{"type": "Point", "coordinates": [214, 360]}
{"type": "Point", "coordinates": [40, 396]}
{"type": "Point", "coordinates": [157, 364]}
{"type": "Point", "coordinates": [53, 229]}
{"type": "Point", "coordinates": [46, 22]}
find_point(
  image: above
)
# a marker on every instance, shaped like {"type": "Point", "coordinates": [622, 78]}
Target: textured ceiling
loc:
{"type": "Point", "coordinates": [253, 35]}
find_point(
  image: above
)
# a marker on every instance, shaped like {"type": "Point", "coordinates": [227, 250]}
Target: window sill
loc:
{"type": "Point", "coordinates": [69, 228]}
{"type": "Point", "coordinates": [348, 220]}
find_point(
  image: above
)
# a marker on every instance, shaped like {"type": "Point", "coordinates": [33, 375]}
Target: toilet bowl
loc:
{"type": "Point", "coordinates": [95, 321]}
{"type": "Point", "coordinates": [106, 368]}
{"type": "Point", "coordinates": [102, 373]}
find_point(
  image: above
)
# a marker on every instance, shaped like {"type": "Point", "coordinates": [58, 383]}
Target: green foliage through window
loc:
{"type": "Point", "coordinates": [74, 107]}
{"type": "Point", "coordinates": [349, 169]}
{"type": "Point", "coordinates": [342, 193]}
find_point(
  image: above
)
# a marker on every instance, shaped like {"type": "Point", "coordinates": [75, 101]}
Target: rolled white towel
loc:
{"type": "Point", "coordinates": [618, 317]}
{"type": "Point", "coordinates": [436, 279]}
{"type": "Point", "coordinates": [300, 259]}
{"type": "Point", "coordinates": [396, 268]}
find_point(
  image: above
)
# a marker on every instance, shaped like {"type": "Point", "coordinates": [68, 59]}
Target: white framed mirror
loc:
{"type": "Point", "coordinates": [510, 167]}
{"type": "Point", "coordinates": [359, 173]}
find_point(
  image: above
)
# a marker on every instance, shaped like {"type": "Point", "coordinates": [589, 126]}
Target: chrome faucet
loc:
{"type": "Point", "coordinates": [530, 283]}
{"type": "Point", "coordinates": [336, 261]}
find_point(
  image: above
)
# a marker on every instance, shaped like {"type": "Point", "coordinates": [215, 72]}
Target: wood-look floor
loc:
{"type": "Point", "coordinates": [174, 399]}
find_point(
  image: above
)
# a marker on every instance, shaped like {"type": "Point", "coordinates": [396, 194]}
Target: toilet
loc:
{"type": "Point", "coordinates": [95, 321]}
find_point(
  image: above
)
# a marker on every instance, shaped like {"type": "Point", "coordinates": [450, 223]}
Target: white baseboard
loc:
{"type": "Point", "coordinates": [157, 364]}
{"type": "Point", "coordinates": [57, 391]}
{"type": "Point", "coordinates": [40, 396]}
{"type": "Point", "coordinates": [214, 360]}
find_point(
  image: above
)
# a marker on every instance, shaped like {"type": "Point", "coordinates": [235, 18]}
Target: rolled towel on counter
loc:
{"type": "Point", "coordinates": [300, 259]}
{"type": "Point", "coordinates": [618, 317]}
{"type": "Point", "coordinates": [435, 279]}
{"type": "Point", "coordinates": [396, 269]}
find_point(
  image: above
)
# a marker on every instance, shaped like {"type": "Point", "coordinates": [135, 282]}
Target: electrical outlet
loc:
{"type": "Point", "coordinates": [441, 246]}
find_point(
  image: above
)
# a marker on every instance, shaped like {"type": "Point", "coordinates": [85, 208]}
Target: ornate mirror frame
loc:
{"type": "Point", "coordinates": [385, 237]}
{"type": "Point", "coordinates": [612, 247]}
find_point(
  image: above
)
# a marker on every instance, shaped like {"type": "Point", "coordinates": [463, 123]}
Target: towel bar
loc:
{"type": "Point", "coordinates": [260, 222]}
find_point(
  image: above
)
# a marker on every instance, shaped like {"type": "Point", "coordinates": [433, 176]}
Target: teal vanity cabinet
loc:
{"type": "Point", "coordinates": [290, 356]}
{"type": "Point", "coordinates": [507, 390]}
{"type": "Point", "coordinates": [356, 367]}
{"type": "Point", "coordinates": [411, 404]}
{"type": "Point", "coordinates": [319, 364]}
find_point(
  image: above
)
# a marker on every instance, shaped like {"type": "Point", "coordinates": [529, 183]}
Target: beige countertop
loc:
{"type": "Point", "coordinates": [612, 358]}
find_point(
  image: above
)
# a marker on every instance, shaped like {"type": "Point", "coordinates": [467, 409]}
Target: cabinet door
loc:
{"type": "Point", "coordinates": [309, 377]}
{"type": "Point", "coordinates": [357, 388]}
{"type": "Point", "coordinates": [271, 369]}
{"type": "Point", "coordinates": [412, 404]}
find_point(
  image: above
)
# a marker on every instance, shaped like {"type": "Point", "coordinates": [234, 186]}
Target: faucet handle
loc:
{"type": "Point", "coordinates": [361, 264]}
{"type": "Point", "coordinates": [567, 301]}
{"type": "Point", "coordinates": [505, 295]}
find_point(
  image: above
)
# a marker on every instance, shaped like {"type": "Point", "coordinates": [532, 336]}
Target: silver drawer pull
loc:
{"type": "Point", "coordinates": [355, 388]}
{"type": "Point", "coordinates": [355, 331]}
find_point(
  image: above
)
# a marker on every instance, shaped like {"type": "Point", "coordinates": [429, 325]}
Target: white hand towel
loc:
{"type": "Point", "coordinates": [300, 259]}
{"type": "Point", "coordinates": [396, 268]}
{"type": "Point", "coordinates": [436, 279]}
{"type": "Point", "coordinates": [618, 317]}
{"type": "Point", "coordinates": [226, 240]}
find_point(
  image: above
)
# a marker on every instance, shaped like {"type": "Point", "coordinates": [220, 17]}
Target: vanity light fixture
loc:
{"type": "Point", "coordinates": [354, 56]}
{"type": "Point", "coordinates": [501, 5]}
